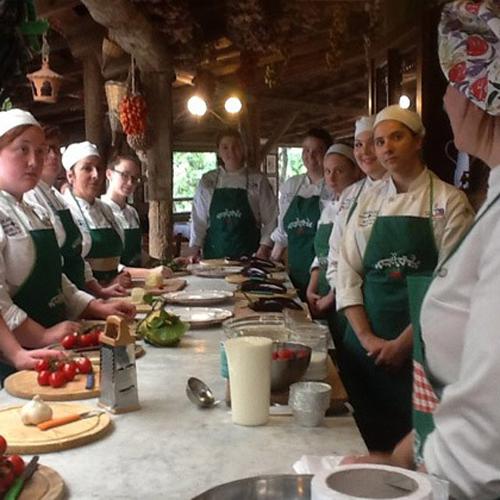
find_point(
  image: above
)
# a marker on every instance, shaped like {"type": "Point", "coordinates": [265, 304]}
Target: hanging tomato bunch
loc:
{"type": "Point", "coordinates": [133, 114]}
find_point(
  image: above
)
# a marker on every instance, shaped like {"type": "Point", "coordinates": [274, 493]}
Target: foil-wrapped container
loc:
{"type": "Point", "coordinates": [309, 402]}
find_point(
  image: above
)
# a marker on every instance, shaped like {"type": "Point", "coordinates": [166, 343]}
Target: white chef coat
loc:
{"type": "Point", "coordinates": [460, 330]}
{"type": "Point", "coordinates": [52, 200]}
{"type": "Point", "coordinates": [260, 197]}
{"type": "Point", "coordinates": [328, 216]}
{"type": "Point", "coordinates": [298, 185]}
{"type": "Point", "coordinates": [127, 216]}
{"type": "Point", "coordinates": [87, 216]}
{"type": "Point", "coordinates": [17, 258]}
{"type": "Point", "coordinates": [346, 200]}
{"type": "Point", "coordinates": [451, 216]}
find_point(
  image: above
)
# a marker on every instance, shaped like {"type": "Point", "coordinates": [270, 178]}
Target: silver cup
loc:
{"type": "Point", "coordinates": [309, 402]}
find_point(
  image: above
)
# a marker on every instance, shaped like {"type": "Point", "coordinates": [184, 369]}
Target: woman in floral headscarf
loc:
{"type": "Point", "coordinates": [456, 403]}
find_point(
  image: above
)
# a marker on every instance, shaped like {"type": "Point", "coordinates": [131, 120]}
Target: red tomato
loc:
{"type": "Point", "coordinates": [42, 364]}
{"type": "Point", "coordinates": [6, 477]}
{"type": "Point", "coordinates": [17, 464]}
{"type": "Point", "coordinates": [84, 365]}
{"type": "Point", "coordinates": [86, 340]}
{"type": "Point", "coordinates": [479, 89]}
{"type": "Point", "coordinates": [476, 45]}
{"type": "Point", "coordinates": [69, 341]}
{"type": "Point", "coordinates": [57, 379]}
{"type": "Point", "coordinates": [458, 72]}
{"type": "Point", "coordinates": [43, 377]}
{"type": "Point", "coordinates": [275, 355]}
{"type": "Point", "coordinates": [301, 354]}
{"type": "Point", "coordinates": [95, 336]}
{"type": "Point", "coordinates": [69, 371]}
{"type": "Point", "coordinates": [3, 445]}
{"type": "Point", "coordinates": [285, 354]}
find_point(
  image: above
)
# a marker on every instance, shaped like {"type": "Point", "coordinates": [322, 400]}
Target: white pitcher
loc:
{"type": "Point", "coordinates": [249, 360]}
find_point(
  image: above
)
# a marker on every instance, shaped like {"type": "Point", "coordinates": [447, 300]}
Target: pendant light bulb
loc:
{"type": "Point", "coordinates": [197, 105]}
{"type": "Point", "coordinates": [404, 102]}
{"type": "Point", "coordinates": [233, 105]}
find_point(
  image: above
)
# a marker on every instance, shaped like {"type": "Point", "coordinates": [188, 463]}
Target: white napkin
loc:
{"type": "Point", "coordinates": [315, 464]}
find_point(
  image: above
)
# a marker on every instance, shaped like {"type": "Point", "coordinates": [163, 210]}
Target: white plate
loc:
{"type": "Point", "coordinates": [198, 317]}
{"type": "Point", "coordinates": [215, 272]}
{"type": "Point", "coordinates": [198, 298]}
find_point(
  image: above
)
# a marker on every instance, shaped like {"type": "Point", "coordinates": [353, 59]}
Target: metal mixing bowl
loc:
{"type": "Point", "coordinates": [285, 372]}
{"type": "Point", "coordinates": [276, 487]}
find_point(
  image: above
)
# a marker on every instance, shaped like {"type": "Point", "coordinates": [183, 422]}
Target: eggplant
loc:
{"type": "Point", "coordinates": [274, 304]}
{"type": "Point", "coordinates": [253, 272]}
{"type": "Point", "coordinates": [262, 286]}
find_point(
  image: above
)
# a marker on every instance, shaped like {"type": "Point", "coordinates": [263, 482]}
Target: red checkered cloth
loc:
{"type": "Point", "coordinates": [424, 398]}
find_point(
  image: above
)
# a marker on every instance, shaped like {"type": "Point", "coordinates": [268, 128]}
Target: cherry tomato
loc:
{"type": "Point", "coordinates": [69, 371]}
{"type": "Point", "coordinates": [285, 354]}
{"type": "Point", "coordinates": [95, 336]}
{"type": "Point", "coordinates": [43, 377]}
{"type": "Point", "coordinates": [6, 476]}
{"type": "Point", "coordinates": [69, 341]}
{"type": "Point", "coordinates": [57, 379]}
{"type": "Point", "coordinates": [3, 445]}
{"type": "Point", "coordinates": [17, 464]}
{"type": "Point", "coordinates": [84, 365]}
{"type": "Point", "coordinates": [42, 364]}
{"type": "Point", "coordinates": [86, 340]}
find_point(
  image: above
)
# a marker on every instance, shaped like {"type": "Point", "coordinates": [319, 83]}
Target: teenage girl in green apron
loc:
{"type": "Point", "coordinates": [124, 175]}
{"type": "Point", "coordinates": [232, 228]}
{"type": "Point", "coordinates": [84, 169]}
{"type": "Point", "coordinates": [377, 342]}
{"type": "Point", "coordinates": [299, 220]}
{"type": "Point", "coordinates": [340, 171]}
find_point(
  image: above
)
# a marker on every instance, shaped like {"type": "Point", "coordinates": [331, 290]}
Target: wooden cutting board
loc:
{"type": "Point", "coordinates": [23, 384]}
{"type": "Point", "coordinates": [44, 484]}
{"type": "Point", "coordinates": [28, 439]}
{"type": "Point", "coordinates": [238, 279]}
{"type": "Point", "coordinates": [169, 285]}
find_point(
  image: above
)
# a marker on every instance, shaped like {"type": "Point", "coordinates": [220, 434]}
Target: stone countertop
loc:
{"type": "Point", "coordinates": [171, 449]}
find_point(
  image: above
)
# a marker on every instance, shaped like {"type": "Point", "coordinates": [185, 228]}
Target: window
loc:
{"type": "Point", "coordinates": [188, 170]}
{"type": "Point", "coordinates": [290, 160]}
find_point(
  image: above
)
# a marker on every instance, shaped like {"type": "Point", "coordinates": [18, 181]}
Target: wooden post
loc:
{"type": "Point", "coordinates": [158, 90]}
{"type": "Point", "coordinates": [93, 91]}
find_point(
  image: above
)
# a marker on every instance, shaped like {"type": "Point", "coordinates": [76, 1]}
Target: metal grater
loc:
{"type": "Point", "coordinates": [118, 375]}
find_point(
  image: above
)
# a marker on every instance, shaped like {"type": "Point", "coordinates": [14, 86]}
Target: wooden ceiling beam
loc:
{"type": "Point", "coordinates": [48, 8]}
{"type": "Point", "coordinates": [131, 29]}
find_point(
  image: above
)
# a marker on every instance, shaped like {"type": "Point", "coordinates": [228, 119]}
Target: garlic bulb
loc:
{"type": "Point", "coordinates": [35, 412]}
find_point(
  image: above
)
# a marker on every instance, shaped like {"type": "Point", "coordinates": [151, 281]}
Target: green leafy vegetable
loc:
{"type": "Point", "coordinates": [162, 329]}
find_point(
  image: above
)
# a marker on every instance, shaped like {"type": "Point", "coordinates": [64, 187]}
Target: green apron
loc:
{"type": "Point", "coordinates": [300, 222]}
{"type": "Point", "coordinates": [106, 243]}
{"type": "Point", "coordinates": [71, 251]}
{"type": "Point", "coordinates": [399, 246]}
{"type": "Point", "coordinates": [131, 255]}
{"type": "Point", "coordinates": [426, 389]}
{"type": "Point", "coordinates": [40, 295]}
{"type": "Point", "coordinates": [321, 248]}
{"type": "Point", "coordinates": [232, 230]}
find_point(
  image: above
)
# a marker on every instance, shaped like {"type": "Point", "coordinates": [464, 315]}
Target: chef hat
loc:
{"type": "Point", "coordinates": [469, 43]}
{"type": "Point", "coordinates": [14, 118]}
{"type": "Point", "coordinates": [76, 152]}
{"type": "Point", "coordinates": [341, 149]}
{"type": "Point", "coordinates": [364, 124]}
{"type": "Point", "coordinates": [409, 118]}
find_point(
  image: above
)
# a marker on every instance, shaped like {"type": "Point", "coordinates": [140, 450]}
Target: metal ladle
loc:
{"type": "Point", "coordinates": [200, 394]}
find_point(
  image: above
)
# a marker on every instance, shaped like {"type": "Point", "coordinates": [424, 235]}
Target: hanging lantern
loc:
{"type": "Point", "coordinates": [45, 83]}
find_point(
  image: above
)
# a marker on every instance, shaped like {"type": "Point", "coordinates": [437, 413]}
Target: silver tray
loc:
{"type": "Point", "coordinates": [275, 487]}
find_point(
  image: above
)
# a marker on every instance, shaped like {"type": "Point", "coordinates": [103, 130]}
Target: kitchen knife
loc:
{"type": "Point", "coordinates": [17, 486]}
{"type": "Point", "coordinates": [56, 422]}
